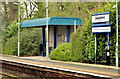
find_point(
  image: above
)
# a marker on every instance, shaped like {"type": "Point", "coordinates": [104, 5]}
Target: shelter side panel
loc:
{"type": "Point", "coordinates": [61, 34]}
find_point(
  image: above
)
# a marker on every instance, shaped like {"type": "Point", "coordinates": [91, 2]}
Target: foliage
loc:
{"type": "Point", "coordinates": [72, 9]}
{"type": "Point", "coordinates": [70, 51]}
{"type": "Point", "coordinates": [81, 47]}
{"type": "Point", "coordinates": [88, 37]}
{"type": "Point", "coordinates": [62, 52]}
{"type": "Point", "coordinates": [0, 40]}
{"type": "Point", "coordinates": [76, 9]}
{"type": "Point", "coordinates": [9, 31]}
{"type": "Point", "coordinates": [30, 40]}
{"type": "Point", "coordinates": [41, 12]}
{"type": "Point", "coordinates": [29, 43]}
{"type": "Point", "coordinates": [119, 30]}
{"type": "Point", "coordinates": [77, 46]}
{"type": "Point", "coordinates": [82, 42]}
{"type": "Point", "coordinates": [10, 47]}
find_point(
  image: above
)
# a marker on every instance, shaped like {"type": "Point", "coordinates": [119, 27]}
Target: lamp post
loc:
{"type": "Point", "coordinates": [117, 34]}
{"type": "Point", "coordinates": [18, 28]}
{"type": "Point", "coordinates": [47, 45]}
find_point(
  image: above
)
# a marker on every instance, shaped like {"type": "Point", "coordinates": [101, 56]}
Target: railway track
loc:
{"type": "Point", "coordinates": [6, 76]}
{"type": "Point", "coordinates": [39, 69]}
{"type": "Point", "coordinates": [18, 71]}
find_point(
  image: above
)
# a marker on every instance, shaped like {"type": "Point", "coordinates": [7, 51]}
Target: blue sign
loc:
{"type": "Point", "coordinates": [100, 19]}
{"type": "Point", "coordinates": [104, 29]}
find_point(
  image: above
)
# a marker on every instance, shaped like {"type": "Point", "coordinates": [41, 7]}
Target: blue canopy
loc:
{"type": "Point", "coordinates": [52, 21]}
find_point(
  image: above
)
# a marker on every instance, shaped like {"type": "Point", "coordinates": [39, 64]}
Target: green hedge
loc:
{"type": "Point", "coordinates": [10, 47]}
{"type": "Point", "coordinates": [30, 40]}
{"type": "Point", "coordinates": [77, 46]}
{"type": "Point", "coordinates": [62, 52]}
{"type": "Point", "coordinates": [69, 51]}
{"type": "Point", "coordinates": [89, 37]}
{"type": "Point", "coordinates": [29, 43]}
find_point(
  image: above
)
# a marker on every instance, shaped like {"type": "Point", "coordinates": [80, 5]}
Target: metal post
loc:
{"type": "Point", "coordinates": [55, 41]}
{"type": "Point", "coordinates": [117, 33]}
{"type": "Point", "coordinates": [68, 34]}
{"type": "Point", "coordinates": [47, 47]}
{"type": "Point", "coordinates": [95, 47]}
{"type": "Point", "coordinates": [75, 26]}
{"type": "Point", "coordinates": [30, 9]}
{"type": "Point", "coordinates": [108, 42]}
{"type": "Point", "coordinates": [43, 40]}
{"type": "Point", "coordinates": [18, 30]}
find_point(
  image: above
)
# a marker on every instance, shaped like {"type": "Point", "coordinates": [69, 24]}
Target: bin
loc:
{"type": "Point", "coordinates": [41, 50]}
{"type": "Point", "coordinates": [44, 54]}
{"type": "Point", "coordinates": [106, 57]}
{"type": "Point", "coordinates": [40, 47]}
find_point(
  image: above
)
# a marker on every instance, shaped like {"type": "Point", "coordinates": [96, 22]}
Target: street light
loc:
{"type": "Point", "coordinates": [47, 45]}
{"type": "Point", "coordinates": [18, 28]}
{"type": "Point", "coordinates": [117, 34]}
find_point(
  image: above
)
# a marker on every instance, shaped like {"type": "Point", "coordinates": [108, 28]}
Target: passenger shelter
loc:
{"type": "Point", "coordinates": [60, 29]}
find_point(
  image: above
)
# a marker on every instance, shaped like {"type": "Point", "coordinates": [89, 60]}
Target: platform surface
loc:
{"type": "Point", "coordinates": [84, 68]}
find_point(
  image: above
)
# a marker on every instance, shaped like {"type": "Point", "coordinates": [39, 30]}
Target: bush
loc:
{"type": "Point", "coordinates": [9, 31]}
{"type": "Point", "coordinates": [10, 47]}
{"type": "Point", "coordinates": [89, 40]}
{"type": "Point", "coordinates": [77, 46]}
{"type": "Point", "coordinates": [0, 40]}
{"type": "Point", "coordinates": [62, 52]}
{"type": "Point", "coordinates": [29, 43]}
{"type": "Point", "coordinates": [30, 40]}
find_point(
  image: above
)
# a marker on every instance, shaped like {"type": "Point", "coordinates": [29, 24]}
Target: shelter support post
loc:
{"type": "Point", "coordinates": [55, 40]}
{"type": "Point", "coordinates": [68, 34]}
{"type": "Point", "coordinates": [43, 39]}
{"type": "Point", "coordinates": [75, 26]}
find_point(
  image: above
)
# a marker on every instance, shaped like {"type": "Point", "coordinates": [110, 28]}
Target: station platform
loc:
{"type": "Point", "coordinates": [71, 67]}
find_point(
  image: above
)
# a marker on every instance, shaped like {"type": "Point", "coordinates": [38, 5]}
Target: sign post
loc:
{"type": "Point", "coordinates": [95, 47]}
{"type": "Point", "coordinates": [100, 23]}
{"type": "Point", "coordinates": [108, 42]}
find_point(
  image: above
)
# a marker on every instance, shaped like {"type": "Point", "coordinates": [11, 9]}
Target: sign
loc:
{"type": "Point", "coordinates": [100, 19]}
{"type": "Point", "coordinates": [101, 29]}
{"type": "Point", "coordinates": [102, 23]}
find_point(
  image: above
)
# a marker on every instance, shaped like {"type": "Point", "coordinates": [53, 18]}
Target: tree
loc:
{"type": "Point", "coordinates": [41, 12]}
{"type": "Point", "coordinates": [10, 13]}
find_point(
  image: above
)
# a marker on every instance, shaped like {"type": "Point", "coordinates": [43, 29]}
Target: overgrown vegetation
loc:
{"type": "Point", "coordinates": [81, 48]}
{"type": "Point", "coordinates": [82, 43]}
{"type": "Point", "coordinates": [0, 40]}
{"type": "Point", "coordinates": [62, 52]}
{"type": "Point", "coordinates": [77, 46]}
{"type": "Point", "coordinates": [29, 40]}
{"type": "Point", "coordinates": [102, 43]}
